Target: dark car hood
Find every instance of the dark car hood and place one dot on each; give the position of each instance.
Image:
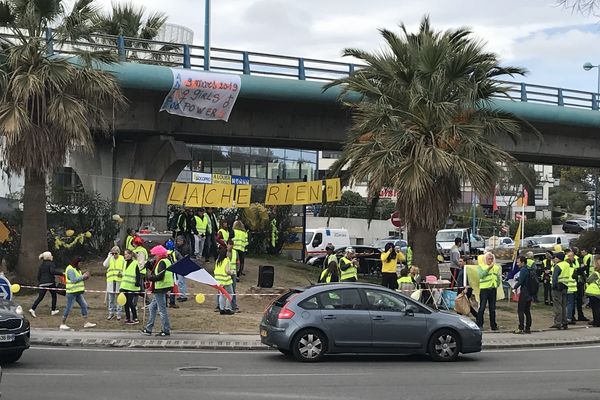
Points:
(8, 309)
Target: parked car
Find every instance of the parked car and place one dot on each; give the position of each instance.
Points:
(530, 242)
(401, 243)
(318, 238)
(308, 323)
(14, 332)
(574, 226)
(369, 259)
(549, 241)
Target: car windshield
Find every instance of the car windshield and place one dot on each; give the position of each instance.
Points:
(448, 236)
(546, 240)
(309, 237)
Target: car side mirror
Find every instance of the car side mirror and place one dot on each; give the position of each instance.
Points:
(410, 310)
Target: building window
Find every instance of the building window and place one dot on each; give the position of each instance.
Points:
(539, 193)
(331, 154)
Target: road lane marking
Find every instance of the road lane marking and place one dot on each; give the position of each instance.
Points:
(217, 375)
(539, 371)
(39, 374)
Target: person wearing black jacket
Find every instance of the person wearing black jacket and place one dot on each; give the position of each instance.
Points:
(210, 244)
(46, 282)
(525, 297)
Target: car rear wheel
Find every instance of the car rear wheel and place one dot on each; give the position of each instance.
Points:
(444, 345)
(10, 357)
(309, 345)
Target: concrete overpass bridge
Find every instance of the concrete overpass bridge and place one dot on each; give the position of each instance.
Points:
(281, 104)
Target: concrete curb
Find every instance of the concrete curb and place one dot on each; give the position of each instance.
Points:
(252, 345)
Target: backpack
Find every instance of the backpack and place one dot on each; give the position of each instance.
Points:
(533, 283)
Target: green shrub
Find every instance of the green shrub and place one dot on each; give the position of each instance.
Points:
(588, 240)
(533, 227)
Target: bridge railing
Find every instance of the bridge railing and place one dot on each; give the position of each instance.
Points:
(287, 67)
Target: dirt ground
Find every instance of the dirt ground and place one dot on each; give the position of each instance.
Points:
(191, 316)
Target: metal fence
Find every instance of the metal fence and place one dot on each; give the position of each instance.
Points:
(274, 65)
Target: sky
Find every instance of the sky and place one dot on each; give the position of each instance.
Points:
(551, 42)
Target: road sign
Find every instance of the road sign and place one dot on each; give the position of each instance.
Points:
(395, 218)
(5, 292)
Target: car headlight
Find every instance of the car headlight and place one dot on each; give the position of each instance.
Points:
(19, 310)
(468, 323)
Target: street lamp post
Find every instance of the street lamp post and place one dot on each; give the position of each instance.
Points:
(206, 35)
(588, 66)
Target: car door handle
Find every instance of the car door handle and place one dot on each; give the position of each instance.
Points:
(329, 317)
(378, 318)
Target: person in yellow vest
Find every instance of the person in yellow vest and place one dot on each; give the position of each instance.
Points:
(202, 228)
(489, 279)
(329, 255)
(75, 288)
(389, 265)
(330, 274)
(405, 282)
(240, 244)
(131, 286)
(592, 290)
(141, 256)
(223, 234)
(224, 275)
(162, 280)
(349, 266)
(571, 286)
(547, 270)
(131, 234)
(561, 277)
(580, 276)
(114, 264)
(234, 264)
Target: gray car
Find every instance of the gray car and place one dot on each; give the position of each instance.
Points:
(309, 322)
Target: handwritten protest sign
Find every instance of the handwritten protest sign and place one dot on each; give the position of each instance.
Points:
(202, 95)
(137, 191)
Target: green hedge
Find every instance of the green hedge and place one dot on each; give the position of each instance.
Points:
(533, 227)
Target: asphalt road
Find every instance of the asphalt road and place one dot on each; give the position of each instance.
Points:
(63, 373)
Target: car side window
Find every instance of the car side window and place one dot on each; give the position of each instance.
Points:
(318, 239)
(557, 240)
(342, 299)
(382, 301)
(310, 304)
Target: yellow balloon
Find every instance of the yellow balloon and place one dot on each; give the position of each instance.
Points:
(69, 232)
(88, 234)
(200, 298)
(15, 288)
(121, 299)
(116, 217)
(440, 258)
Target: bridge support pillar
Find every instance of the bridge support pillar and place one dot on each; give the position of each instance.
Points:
(156, 158)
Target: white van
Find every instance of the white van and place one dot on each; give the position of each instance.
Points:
(445, 238)
(317, 239)
(549, 241)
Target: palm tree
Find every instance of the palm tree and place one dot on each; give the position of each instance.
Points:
(132, 22)
(424, 124)
(49, 105)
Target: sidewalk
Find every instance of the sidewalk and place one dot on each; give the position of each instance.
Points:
(225, 341)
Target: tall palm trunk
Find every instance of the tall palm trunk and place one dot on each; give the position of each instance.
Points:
(34, 227)
(424, 250)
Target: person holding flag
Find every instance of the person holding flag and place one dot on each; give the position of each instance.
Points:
(162, 280)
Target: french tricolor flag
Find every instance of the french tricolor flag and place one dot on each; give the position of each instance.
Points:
(193, 271)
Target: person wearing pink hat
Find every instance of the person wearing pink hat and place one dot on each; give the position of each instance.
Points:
(162, 284)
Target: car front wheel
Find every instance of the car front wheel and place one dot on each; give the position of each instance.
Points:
(309, 345)
(444, 345)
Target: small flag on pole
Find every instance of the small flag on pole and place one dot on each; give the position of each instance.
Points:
(193, 271)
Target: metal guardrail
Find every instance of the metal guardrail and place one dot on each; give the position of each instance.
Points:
(286, 67)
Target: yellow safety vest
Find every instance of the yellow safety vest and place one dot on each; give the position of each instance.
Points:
(74, 287)
(201, 224)
(129, 243)
(233, 260)
(114, 267)
(349, 273)
(240, 240)
(221, 274)
(330, 258)
(592, 289)
(572, 283)
(326, 276)
(565, 274)
(491, 278)
(167, 281)
(224, 234)
(405, 279)
(129, 281)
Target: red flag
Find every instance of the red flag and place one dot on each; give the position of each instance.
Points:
(525, 197)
